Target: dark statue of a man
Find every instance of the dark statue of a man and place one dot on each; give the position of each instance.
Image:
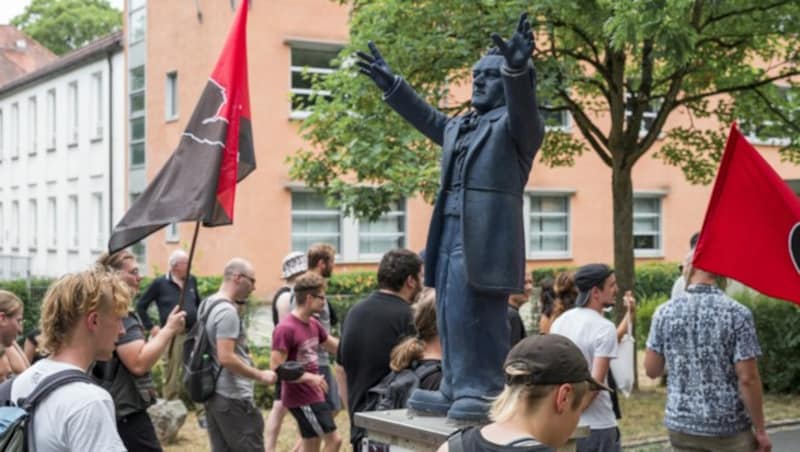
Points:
(475, 253)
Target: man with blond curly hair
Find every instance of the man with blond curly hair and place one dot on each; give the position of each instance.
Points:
(81, 320)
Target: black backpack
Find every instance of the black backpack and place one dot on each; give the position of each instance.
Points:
(201, 368)
(395, 388)
(16, 417)
(280, 292)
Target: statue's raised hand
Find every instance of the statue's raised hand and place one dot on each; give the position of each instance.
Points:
(519, 48)
(375, 67)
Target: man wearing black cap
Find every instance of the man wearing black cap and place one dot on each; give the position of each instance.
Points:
(547, 386)
(596, 337)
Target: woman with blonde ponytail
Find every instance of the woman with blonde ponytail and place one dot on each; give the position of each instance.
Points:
(424, 348)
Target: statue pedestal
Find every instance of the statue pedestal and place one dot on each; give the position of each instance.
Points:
(406, 432)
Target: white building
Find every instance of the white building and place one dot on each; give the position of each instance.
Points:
(62, 161)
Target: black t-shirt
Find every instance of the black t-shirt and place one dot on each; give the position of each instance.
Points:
(371, 329)
(166, 293)
(473, 441)
(516, 327)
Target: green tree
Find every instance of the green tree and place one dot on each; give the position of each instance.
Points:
(65, 25)
(606, 62)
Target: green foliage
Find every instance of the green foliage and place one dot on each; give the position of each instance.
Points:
(65, 25)
(352, 283)
(264, 394)
(645, 308)
(31, 299)
(655, 280)
(652, 280)
(778, 326)
(673, 54)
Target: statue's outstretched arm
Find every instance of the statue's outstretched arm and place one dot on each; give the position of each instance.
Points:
(401, 97)
(519, 80)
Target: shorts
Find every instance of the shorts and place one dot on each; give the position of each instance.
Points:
(315, 420)
(332, 396)
(278, 384)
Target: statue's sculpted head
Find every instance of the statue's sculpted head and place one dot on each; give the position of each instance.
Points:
(487, 82)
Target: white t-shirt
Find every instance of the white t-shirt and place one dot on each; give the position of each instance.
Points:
(596, 336)
(80, 418)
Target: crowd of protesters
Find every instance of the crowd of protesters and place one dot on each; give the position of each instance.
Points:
(555, 380)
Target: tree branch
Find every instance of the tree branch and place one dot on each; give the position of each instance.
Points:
(786, 120)
(588, 129)
(743, 11)
(581, 33)
(732, 89)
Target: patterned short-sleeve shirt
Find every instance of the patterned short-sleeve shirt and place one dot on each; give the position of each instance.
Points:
(702, 334)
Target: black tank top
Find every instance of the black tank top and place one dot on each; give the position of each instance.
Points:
(472, 441)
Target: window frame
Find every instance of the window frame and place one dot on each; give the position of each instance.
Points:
(649, 252)
(171, 96)
(567, 194)
(349, 233)
(319, 46)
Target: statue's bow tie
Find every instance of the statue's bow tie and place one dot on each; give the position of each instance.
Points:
(469, 122)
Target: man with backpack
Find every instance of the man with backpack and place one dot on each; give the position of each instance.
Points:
(295, 344)
(81, 319)
(374, 326)
(234, 422)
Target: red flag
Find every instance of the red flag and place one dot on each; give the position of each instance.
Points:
(215, 152)
(751, 232)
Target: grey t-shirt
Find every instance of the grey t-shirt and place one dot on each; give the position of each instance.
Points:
(224, 322)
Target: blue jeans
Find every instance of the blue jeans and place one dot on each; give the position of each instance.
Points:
(473, 328)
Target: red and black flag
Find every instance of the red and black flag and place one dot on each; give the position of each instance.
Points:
(751, 232)
(198, 182)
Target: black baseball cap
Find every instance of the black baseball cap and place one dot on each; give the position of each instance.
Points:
(588, 276)
(549, 359)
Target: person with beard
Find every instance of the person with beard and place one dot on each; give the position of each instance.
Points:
(374, 326)
(596, 337)
(320, 259)
(476, 245)
(11, 319)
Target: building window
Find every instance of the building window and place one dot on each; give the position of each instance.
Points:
(137, 121)
(313, 221)
(771, 133)
(73, 113)
(14, 131)
(308, 64)
(355, 240)
(647, 225)
(52, 225)
(73, 218)
(139, 249)
(137, 25)
(388, 232)
(173, 234)
(51, 119)
(553, 120)
(648, 117)
(171, 96)
(32, 126)
(548, 233)
(99, 221)
(15, 224)
(33, 225)
(97, 105)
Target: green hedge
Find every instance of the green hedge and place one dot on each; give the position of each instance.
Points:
(778, 326)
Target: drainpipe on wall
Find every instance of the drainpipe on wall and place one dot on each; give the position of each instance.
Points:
(109, 56)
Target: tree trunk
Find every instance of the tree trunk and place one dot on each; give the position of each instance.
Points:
(622, 194)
